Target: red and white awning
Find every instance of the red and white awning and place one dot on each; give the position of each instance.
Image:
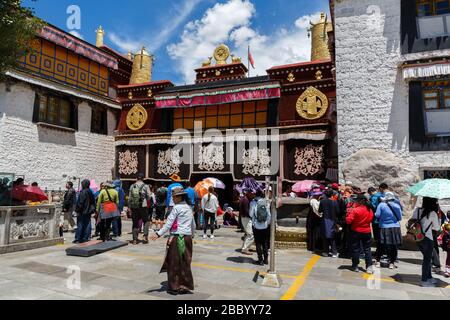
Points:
(218, 96)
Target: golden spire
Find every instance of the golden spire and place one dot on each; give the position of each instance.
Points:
(319, 34)
(142, 67)
(100, 34)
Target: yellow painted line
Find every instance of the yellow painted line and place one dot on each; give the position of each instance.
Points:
(366, 276)
(301, 278)
(199, 265)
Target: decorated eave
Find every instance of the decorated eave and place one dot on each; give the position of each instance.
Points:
(419, 69)
(72, 43)
(217, 93)
(143, 93)
(231, 71)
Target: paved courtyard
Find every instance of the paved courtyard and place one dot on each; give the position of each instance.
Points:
(220, 273)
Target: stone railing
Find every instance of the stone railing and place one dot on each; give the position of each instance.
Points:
(29, 227)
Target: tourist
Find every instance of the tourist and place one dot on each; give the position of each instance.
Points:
(260, 216)
(445, 245)
(96, 216)
(117, 223)
(210, 205)
(34, 184)
(359, 218)
(428, 218)
(313, 223)
(69, 206)
(137, 201)
(375, 199)
(229, 217)
(85, 208)
(160, 210)
(107, 207)
(389, 215)
(330, 211)
(178, 260)
(244, 212)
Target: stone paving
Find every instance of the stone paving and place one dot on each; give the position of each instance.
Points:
(220, 273)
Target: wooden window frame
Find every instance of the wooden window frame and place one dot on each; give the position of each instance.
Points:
(103, 127)
(433, 7)
(57, 113)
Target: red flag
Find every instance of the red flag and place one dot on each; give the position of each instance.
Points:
(250, 58)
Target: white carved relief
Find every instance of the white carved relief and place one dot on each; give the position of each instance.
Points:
(256, 162)
(309, 160)
(128, 162)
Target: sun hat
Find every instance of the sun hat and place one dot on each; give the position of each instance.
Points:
(109, 184)
(335, 186)
(389, 196)
(175, 178)
(178, 191)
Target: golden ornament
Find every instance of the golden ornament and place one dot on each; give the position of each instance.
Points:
(312, 104)
(221, 54)
(218, 73)
(291, 77)
(150, 93)
(130, 95)
(137, 117)
(319, 75)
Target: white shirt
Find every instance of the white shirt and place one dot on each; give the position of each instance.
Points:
(430, 223)
(181, 212)
(315, 205)
(253, 215)
(212, 205)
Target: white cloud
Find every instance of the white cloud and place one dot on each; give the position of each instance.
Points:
(76, 34)
(230, 23)
(154, 41)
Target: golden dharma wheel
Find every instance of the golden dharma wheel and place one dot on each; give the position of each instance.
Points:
(312, 104)
(137, 117)
(221, 54)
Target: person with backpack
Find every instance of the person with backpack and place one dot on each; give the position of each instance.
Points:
(260, 216)
(85, 208)
(117, 223)
(108, 209)
(389, 214)
(70, 199)
(210, 205)
(422, 224)
(137, 202)
(160, 210)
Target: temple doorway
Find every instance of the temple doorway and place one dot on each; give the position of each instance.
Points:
(225, 196)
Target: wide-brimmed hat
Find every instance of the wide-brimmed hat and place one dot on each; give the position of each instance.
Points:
(178, 191)
(388, 196)
(109, 184)
(175, 178)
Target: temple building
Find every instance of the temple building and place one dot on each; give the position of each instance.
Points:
(393, 93)
(58, 111)
(229, 125)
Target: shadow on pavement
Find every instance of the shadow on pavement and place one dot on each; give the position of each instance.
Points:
(415, 279)
(411, 261)
(240, 260)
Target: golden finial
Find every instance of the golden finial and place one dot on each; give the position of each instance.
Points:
(100, 35)
(130, 95)
(207, 63)
(291, 77)
(319, 75)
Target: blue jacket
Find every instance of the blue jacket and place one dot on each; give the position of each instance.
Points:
(386, 217)
(121, 193)
(192, 195)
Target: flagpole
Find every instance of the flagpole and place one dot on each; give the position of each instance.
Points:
(248, 60)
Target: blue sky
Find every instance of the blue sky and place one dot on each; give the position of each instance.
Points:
(183, 33)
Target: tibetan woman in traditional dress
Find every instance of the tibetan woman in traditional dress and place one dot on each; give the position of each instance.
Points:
(178, 260)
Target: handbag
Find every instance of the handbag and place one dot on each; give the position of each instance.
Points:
(109, 209)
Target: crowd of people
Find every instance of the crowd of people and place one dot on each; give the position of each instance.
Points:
(344, 221)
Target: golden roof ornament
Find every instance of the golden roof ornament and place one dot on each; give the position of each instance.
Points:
(312, 104)
(319, 75)
(207, 63)
(221, 54)
(137, 117)
(130, 95)
(149, 93)
(235, 59)
(319, 38)
(100, 34)
(291, 77)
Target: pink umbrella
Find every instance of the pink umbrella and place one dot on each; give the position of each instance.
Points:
(93, 186)
(304, 186)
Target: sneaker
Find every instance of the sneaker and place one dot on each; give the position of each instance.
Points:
(211, 236)
(335, 256)
(266, 261)
(437, 270)
(205, 236)
(433, 280)
(378, 265)
(259, 263)
(370, 270)
(392, 266)
(355, 269)
(427, 284)
(75, 241)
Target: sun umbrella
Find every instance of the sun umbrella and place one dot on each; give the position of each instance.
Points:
(249, 184)
(202, 188)
(432, 188)
(304, 186)
(95, 188)
(216, 183)
(28, 193)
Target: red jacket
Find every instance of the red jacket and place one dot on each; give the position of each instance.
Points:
(360, 218)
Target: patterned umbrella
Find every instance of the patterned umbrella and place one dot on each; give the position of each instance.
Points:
(432, 188)
(202, 188)
(304, 186)
(216, 183)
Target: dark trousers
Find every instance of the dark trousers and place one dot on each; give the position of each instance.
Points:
(117, 226)
(327, 243)
(262, 248)
(83, 230)
(136, 215)
(359, 240)
(209, 221)
(380, 248)
(436, 261)
(392, 252)
(426, 246)
(105, 229)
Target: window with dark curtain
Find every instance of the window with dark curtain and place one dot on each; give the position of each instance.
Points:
(99, 122)
(55, 110)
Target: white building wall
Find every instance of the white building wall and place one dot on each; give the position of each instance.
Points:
(46, 155)
(372, 97)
